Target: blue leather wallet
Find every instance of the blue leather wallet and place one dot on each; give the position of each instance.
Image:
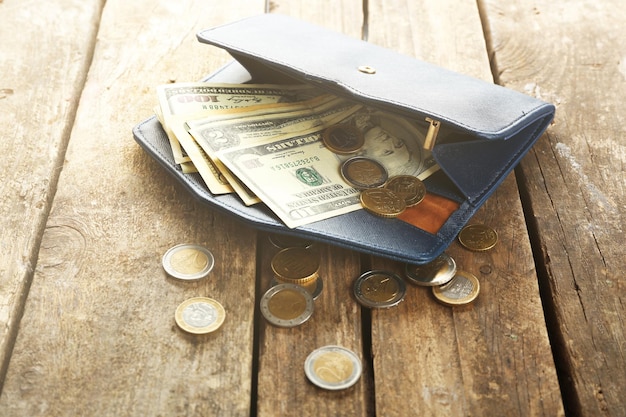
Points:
(489, 129)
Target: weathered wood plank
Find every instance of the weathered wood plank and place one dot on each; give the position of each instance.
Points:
(283, 388)
(45, 50)
(492, 357)
(572, 54)
(98, 335)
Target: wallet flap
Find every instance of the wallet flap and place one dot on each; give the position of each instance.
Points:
(374, 75)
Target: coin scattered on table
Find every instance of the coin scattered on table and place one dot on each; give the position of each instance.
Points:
(333, 367)
(382, 202)
(379, 289)
(478, 237)
(408, 187)
(287, 305)
(284, 241)
(462, 289)
(437, 272)
(343, 139)
(363, 173)
(188, 262)
(200, 315)
(296, 265)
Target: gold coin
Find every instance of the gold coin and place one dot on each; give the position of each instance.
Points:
(296, 265)
(462, 289)
(200, 315)
(410, 188)
(343, 139)
(478, 237)
(362, 173)
(382, 202)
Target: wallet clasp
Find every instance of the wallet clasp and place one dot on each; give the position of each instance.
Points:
(431, 135)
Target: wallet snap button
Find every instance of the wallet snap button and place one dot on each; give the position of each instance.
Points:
(366, 69)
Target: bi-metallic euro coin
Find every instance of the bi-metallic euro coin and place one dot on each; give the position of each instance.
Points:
(478, 237)
(343, 139)
(379, 289)
(382, 202)
(437, 272)
(462, 289)
(200, 315)
(287, 305)
(362, 172)
(409, 187)
(188, 262)
(333, 367)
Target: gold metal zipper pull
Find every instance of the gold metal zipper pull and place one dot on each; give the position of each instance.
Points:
(431, 135)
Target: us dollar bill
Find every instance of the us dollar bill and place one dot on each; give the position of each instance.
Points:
(299, 179)
(257, 124)
(180, 102)
(296, 177)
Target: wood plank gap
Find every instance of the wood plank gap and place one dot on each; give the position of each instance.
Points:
(256, 336)
(366, 17)
(491, 53)
(564, 368)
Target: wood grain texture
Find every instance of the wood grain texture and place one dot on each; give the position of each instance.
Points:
(283, 388)
(573, 56)
(492, 357)
(45, 50)
(98, 335)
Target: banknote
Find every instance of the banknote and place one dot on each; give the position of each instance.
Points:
(299, 178)
(180, 102)
(214, 135)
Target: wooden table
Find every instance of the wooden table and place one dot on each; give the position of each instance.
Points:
(87, 313)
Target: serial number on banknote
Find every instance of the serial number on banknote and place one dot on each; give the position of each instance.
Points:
(296, 163)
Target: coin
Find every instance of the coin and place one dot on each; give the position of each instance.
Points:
(437, 272)
(362, 173)
(286, 305)
(333, 367)
(478, 237)
(296, 265)
(379, 289)
(410, 188)
(188, 262)
(200, 315)
(382, 202)
(343, 139)
(283, 241)
(462, 289)
(314, 287)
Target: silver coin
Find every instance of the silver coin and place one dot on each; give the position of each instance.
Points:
(437, 272)
(287, 305)
(188, 262)
(333, 367)
(379, 289)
